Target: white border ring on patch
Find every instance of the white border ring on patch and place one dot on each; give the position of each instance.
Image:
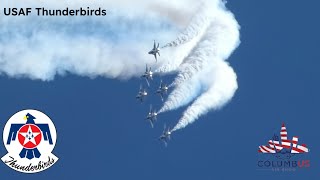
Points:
(29, 137)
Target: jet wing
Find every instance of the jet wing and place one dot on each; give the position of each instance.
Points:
(151, 123)
(13, 132)
(164, 141)
(161, 95)
(155, 56)
(148, 82)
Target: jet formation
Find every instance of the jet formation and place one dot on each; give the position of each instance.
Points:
(161, 91)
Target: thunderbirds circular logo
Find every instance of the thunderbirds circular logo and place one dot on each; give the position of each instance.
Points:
(29, 137)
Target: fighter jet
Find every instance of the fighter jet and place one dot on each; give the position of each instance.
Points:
(155, 51)
(148, 74)
(165, 137)
(163, 89)
(152, 116)
(141, 94)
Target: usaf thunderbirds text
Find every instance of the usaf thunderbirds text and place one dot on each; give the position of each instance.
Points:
(42, 11)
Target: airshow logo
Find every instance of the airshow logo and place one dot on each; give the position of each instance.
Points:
(286, 153)
(29, 137)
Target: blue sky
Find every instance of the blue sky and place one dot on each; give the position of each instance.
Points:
(102, 133)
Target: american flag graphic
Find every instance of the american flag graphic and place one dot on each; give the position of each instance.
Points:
(275, 146)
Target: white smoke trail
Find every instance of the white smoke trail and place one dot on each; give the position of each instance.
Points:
(190, 73)
(190, 37)
(218, 43)
(46, 53)
(114, 46)
(197, 27)
(224, 85)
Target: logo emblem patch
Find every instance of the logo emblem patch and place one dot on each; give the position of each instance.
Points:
(285, 146)
(287, 154)
(29, 137)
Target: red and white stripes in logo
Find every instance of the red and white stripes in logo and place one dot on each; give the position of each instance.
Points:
(275, 146)
(284, 137)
